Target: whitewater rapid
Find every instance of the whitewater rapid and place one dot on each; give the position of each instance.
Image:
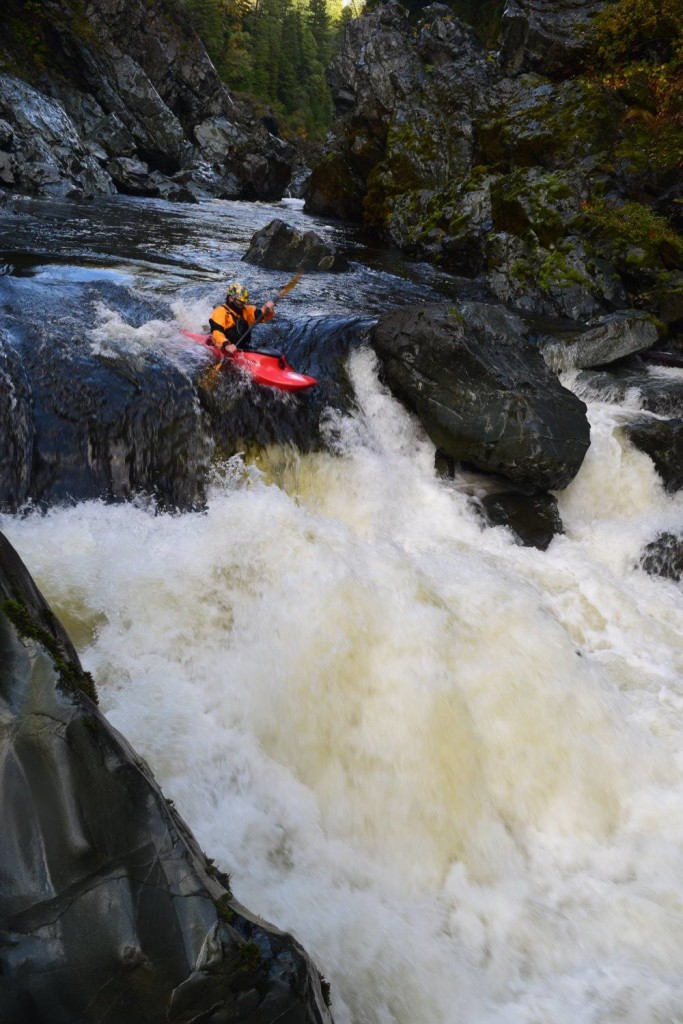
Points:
(450, 765)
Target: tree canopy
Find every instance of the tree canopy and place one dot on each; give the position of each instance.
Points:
(274, 50)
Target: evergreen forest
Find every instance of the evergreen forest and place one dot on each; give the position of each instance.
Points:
(275, 51)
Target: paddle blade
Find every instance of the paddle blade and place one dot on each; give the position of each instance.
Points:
(292, 283)
(209, 379)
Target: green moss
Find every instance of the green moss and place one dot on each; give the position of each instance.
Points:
(248, 957)
(71, 678)
(548, 125)
(556, 272)
(633, 235)
(224, 909)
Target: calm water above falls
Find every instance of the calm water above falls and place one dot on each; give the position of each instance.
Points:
(450, 765)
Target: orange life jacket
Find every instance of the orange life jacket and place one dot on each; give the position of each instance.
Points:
(231, 326)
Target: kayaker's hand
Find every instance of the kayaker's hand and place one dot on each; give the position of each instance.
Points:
(270, 306)
(230, 348)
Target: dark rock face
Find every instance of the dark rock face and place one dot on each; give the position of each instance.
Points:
(662, 440)
(405, 107)
(533, 518)
(128, 81)
(545, 35)
(484, 394)
(108, 908)
(83, 429)
(44, 151)
(512, 167)
(279, 246)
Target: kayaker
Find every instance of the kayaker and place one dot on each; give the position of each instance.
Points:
(231, 323)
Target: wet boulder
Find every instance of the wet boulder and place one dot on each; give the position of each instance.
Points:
(483, 392)
(99, 427)
(534, 519)
(133, 177)
(108, 907)
(606, 340)
(279, 246)
(663, 556)
(658, 393)
(662, 440)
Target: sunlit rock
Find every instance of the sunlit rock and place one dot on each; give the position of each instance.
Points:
(606, 340)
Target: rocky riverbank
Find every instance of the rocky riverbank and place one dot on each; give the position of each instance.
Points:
(121, 96)
(517, 166)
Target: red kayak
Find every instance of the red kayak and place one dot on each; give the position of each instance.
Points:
(269, 368)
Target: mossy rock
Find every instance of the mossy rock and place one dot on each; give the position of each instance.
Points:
(642, 244)
(334, 189)
(548, 125)
(534, 200)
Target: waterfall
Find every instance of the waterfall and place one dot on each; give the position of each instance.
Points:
(450, 765)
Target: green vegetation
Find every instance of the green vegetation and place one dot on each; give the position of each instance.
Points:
(224, 909)
(275, 51)
(71, 677)
(637, 52)
(634, 236)
(248, 957)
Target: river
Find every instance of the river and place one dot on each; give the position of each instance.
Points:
(450, 765)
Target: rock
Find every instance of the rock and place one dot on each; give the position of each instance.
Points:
(106, 427)
(607, 339)
(531, 199)
(662, 440)
(664, 557)
(47, 152)
(279, 246)
(216, 137)
(534, 519)
(546, 35)
(405, 110)
(133, 177)
(564, 281)
(298, 186)
(108, 906)
(483, 393)
(656, 392)
(135, 81)
(16, 427)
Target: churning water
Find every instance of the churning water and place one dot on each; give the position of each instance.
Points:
(450, 765)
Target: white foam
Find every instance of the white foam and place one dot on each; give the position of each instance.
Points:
(448, 763)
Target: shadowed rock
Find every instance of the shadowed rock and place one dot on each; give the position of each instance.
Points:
(108, 908)
(279, 246)
(546, 35)
(534, 519)
(662, 440)
(484, 394)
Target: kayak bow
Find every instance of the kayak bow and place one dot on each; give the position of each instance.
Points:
(269, 368)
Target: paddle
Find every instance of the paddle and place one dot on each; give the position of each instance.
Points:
(211, 376)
